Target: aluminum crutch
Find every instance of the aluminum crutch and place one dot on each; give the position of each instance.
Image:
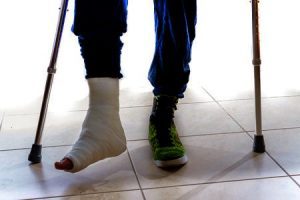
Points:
(35, 155)
(259, 144)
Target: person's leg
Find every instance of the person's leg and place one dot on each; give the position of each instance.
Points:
(99, 26)
(175, 22)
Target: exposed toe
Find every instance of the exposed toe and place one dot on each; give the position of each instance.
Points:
(64, 164)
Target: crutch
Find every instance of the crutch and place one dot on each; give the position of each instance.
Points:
(259, 144)
(35, 155)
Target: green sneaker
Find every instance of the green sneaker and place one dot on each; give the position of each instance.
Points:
(167, 148)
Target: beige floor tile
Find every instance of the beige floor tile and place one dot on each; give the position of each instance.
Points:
(135, 122)
(132, 96)
(228, 89)
(243, 112)
(18, 131)
(63, 128)
(60, 129)
(263, 189)
(190, 119)
(32, 107)
(195, 93)
(55, 105)
(228, 86)
(203, 118)
(128, 195)
(211, 158)
(284, 146)
(277, 113)
(297, 178)
(19, 180)
(69, 104)
(135, 96)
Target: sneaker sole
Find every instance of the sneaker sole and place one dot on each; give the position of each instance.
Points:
(171, 163)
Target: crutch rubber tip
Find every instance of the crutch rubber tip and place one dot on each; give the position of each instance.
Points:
(259, 144)
(35, 155)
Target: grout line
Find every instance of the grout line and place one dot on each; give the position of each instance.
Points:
(149, 105)
(179, 103)
(44, 147)
(296, 175)
(245, 99)
(20, 149)
(266, 152)
(293, 179)
(248, 132)
(212, 134)
(282, 168)
(37, 113)
(145, 139)
(182, 103)
(274, 129)
(228, 113)
(85, 194)
(133, 140)
(186, 136)
(137, 140)
(217, 182)
(135, 173)
(238, 99)
(277, 129)
(121, 107)
(287, 96)
(2, 119)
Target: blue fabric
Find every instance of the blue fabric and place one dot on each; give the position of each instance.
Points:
(100, 24)
(175, 22)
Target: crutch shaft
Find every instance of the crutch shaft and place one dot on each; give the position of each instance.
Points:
(258, 145)
(35, 154)
(256, 62)
(255, 34)
(59, 31)
(257, 91)
(44, 108)
(51, 71)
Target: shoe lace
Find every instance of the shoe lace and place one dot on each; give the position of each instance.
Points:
(163, 119)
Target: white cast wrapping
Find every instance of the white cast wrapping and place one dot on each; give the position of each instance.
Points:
(102, 135)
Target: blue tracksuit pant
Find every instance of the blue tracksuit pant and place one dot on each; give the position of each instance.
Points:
(100, 24)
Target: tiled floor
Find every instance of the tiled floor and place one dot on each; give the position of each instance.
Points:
(215, 119)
